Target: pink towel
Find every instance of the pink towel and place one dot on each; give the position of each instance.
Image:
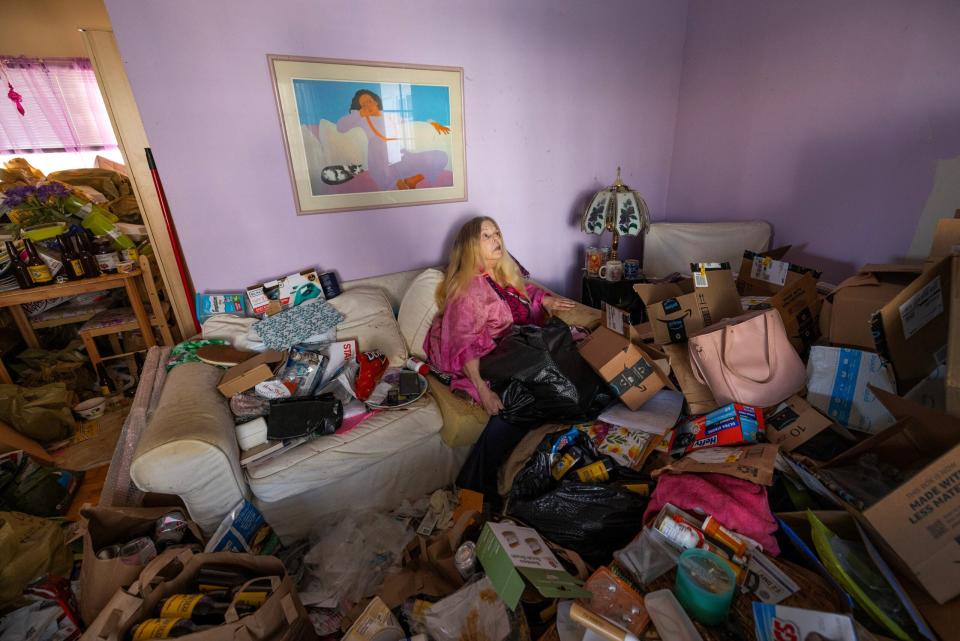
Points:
(737, 504)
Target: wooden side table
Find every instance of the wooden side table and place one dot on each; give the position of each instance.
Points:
(15, 298)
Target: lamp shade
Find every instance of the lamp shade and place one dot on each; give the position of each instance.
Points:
(618, 209)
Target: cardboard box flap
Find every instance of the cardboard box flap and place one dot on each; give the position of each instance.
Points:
(903, 408)
(946, 238)
(653, 293)
(891, 268)
(602, 345)
(919, 436)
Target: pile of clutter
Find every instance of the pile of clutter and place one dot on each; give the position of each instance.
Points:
(779, 464)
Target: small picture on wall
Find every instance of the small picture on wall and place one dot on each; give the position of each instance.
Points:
(363, 135)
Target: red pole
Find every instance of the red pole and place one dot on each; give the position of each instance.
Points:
(174, 239)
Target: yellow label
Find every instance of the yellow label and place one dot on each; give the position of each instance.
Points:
(253, 599)
(180, 605)
(129, 254)
(563, 465)
(593, 473)
(77, 267)
(40, 273)
(643, 489)
(154, 629)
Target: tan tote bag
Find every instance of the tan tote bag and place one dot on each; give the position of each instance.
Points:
(748, 360)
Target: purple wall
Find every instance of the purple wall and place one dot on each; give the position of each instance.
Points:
(825, 118)
(557, 94)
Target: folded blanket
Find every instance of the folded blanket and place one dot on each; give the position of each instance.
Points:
(294, 325)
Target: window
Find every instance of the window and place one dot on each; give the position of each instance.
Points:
(64, 111)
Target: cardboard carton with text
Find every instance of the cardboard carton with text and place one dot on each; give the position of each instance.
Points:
(919, 517)
(677, 310)
(764, 275)
(630, 369)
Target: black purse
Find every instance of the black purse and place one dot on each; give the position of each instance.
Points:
(294, 417)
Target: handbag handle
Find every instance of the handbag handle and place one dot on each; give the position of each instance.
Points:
(771, 356)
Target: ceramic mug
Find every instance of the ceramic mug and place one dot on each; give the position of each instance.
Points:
(612, 271)
(631, 269)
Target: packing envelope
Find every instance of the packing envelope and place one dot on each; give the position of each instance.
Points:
(837, 380)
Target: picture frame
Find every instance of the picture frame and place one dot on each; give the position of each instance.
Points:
(366, 135)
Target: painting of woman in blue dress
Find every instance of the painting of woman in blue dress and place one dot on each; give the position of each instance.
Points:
(370, 137)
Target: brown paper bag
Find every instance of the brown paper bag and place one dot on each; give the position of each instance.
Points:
(30, 547)
(428, 566)
(103, 526)
(699, 397)
(281, 617)
(749, 462)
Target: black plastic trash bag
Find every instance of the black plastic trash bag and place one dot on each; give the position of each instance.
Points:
(592, 520)
(540, 376)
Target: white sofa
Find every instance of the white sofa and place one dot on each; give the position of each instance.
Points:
(189, 446)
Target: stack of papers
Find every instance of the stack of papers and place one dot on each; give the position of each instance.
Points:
(657, 415)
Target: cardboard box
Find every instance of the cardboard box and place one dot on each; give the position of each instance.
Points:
(629, 369)
(952, 383)
(698, 396)
(677, 310)
(920, 519)
(618, 320)
(911, 330)
(845, 317)
(946, 241)
(763, 275)
(510, 554)
(799, 305)
(242, 377)
(794, 422)
(837, 380)
(732, 424)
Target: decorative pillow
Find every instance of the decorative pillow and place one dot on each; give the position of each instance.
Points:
(417, 310)
(368, 317)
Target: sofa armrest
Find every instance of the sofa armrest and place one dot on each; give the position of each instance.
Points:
(581, 316)
(189, 447)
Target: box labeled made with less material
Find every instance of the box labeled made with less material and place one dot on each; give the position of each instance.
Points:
(919, 519)
(629, 369)
(732, 424)
(511, 554)
(677, 310)
(242, 377)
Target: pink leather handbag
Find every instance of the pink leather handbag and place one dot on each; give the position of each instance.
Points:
(747, 359)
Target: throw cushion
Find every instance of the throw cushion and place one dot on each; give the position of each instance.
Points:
(417, 310)
(368, 317)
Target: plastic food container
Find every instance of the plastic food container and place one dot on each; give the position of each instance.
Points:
(705, 585)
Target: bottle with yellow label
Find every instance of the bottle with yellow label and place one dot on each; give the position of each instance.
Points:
(39, 271)
(199, 608)
(163, 629)
(597, 472)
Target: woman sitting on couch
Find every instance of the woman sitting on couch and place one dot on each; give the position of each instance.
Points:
(482, 295)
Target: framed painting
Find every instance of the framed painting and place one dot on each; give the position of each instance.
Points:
(364, 135)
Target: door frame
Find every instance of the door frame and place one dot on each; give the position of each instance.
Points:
(132, 138)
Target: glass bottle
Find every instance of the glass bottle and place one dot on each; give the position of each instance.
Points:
(82, 243)
(72, 263)
(39, 271)
(18, 267)
(199, 608)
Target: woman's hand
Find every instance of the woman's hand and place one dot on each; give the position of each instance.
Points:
(554, 304)
(489, 400)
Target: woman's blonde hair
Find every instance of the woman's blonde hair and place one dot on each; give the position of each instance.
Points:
(465, 261)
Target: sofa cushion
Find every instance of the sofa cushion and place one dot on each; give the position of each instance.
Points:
(368, 317)
(463, 421)
(417, 310)
(337, 456)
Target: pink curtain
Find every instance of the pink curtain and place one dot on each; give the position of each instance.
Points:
(64, 108)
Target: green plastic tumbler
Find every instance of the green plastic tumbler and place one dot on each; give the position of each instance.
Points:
(705, 585)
